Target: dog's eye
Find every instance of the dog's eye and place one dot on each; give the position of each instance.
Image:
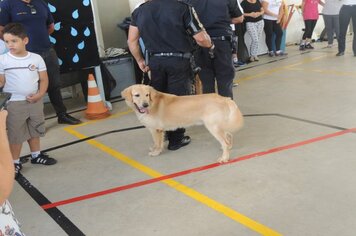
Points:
(147, 95)
(137, 95)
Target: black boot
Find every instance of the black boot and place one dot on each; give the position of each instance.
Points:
(67, 119)
(177, 139)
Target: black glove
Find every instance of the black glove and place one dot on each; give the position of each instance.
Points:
(211, 51)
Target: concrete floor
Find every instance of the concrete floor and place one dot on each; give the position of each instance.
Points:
(292, 170)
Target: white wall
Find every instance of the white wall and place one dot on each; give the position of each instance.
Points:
(112, 12)
(294, 30)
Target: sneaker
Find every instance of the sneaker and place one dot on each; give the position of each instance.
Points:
(43, 159)
(329, 46)
(239, 63)
(18, 167)
(309, 46)
(256, 58)
(340, 54)
(252, 59)
(281, 53)
(271, 54)
(183, 142)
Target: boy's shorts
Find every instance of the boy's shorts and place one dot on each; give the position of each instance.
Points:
(24, 121)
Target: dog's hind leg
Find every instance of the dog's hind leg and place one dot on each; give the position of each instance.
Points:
(157, 136)
(223, 139)
(229, 138)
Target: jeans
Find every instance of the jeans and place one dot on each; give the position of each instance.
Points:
(54, 86)
(270, 27)
(347, 12)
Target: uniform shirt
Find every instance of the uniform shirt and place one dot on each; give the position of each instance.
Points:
(162, 25)
(273, 6)
(35, 23)
(332, 7)
(251, 7)
(311, 11)
(216, 15)
(21, 74)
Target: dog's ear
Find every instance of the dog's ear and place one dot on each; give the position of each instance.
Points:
(126, 94)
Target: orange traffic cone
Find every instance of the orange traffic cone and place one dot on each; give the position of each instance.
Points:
(96, 108)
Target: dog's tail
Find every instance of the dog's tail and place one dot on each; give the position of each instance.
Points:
(235, 120)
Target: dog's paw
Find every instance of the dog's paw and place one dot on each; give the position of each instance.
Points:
(222, 160)
(154, 152)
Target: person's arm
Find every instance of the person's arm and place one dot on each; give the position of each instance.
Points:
(134, 47)
(1, 33)
(2, 80)
(302, 6)
(203, 39)
(236, 11)
(237, 20)
(50, 28)
(7, 172)
(43, 85)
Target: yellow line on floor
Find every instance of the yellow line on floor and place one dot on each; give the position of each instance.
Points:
(327, 72)
(271, 71)
(234, 215)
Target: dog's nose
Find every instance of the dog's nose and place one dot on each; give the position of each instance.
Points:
(145, 105)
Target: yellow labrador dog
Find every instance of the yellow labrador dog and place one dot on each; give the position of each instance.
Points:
(161, 111)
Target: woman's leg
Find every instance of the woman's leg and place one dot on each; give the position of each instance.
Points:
(251, 28)
(328, 20)
(279, 34)
(344, 19)
(268, 27)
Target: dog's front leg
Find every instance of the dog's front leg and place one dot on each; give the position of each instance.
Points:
(157, 136)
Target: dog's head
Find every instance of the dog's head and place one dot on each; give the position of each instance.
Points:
(139, 97)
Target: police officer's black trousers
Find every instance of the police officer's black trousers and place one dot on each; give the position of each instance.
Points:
(219, 69)
(54, 86)
(171, 75)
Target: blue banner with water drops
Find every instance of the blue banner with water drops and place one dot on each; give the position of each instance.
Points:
(74, 34)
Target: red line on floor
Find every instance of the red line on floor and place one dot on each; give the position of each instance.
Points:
(197, 169)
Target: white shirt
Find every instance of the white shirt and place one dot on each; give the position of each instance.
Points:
(273, 6)
(349, 2)
(332, 7)
(21, 74)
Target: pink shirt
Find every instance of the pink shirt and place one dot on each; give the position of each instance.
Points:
(311, 11)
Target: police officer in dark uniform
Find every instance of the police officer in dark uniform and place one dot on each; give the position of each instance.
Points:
(167, 28)
(216, 16)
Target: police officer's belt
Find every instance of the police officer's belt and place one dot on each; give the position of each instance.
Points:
(186, 55)
(222, 38)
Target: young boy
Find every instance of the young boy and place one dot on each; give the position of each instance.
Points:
(24, 75)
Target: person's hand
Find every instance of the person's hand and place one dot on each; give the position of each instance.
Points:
(143, 66)
(211, 51)
(33, 98)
